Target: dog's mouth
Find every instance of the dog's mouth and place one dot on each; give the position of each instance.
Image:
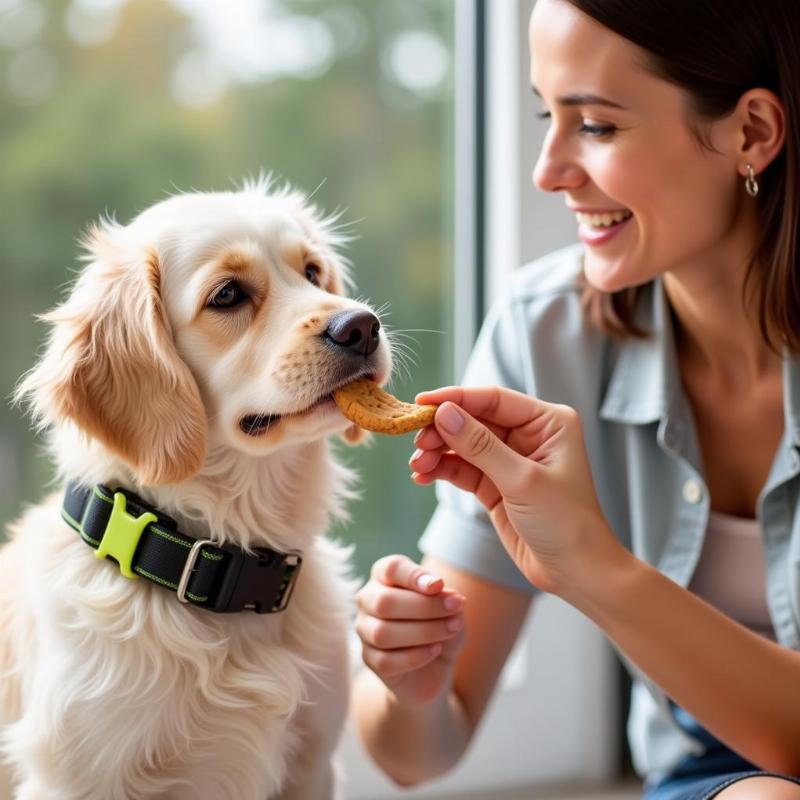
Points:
(260, 423)
(256, 424)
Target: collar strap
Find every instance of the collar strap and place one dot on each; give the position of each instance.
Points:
(145, 542)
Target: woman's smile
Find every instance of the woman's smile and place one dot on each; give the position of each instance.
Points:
(598, 227)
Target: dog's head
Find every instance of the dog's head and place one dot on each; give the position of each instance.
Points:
(211, 319)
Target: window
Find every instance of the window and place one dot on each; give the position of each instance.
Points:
(108, 105)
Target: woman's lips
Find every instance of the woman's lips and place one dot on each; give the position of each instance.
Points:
(594, 236)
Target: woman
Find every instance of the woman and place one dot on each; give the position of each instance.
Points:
(656, 489)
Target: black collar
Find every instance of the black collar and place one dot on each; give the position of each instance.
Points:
(145, 542)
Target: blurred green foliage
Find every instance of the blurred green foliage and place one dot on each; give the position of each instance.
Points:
(110, 137)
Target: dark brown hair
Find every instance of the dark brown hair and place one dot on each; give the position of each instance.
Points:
(716, 50)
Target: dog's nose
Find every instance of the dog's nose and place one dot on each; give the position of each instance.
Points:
(357, 331)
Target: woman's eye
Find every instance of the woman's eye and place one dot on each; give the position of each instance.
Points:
(589, 128)
(230, 294)
(312, 274)
(597, 130)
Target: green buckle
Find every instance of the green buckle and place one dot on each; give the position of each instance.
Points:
(122, 534)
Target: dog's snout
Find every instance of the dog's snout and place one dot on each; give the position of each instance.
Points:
(357, 331)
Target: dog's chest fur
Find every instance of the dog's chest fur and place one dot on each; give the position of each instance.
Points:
(153, 699)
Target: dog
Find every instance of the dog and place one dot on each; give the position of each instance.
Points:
(186, 390)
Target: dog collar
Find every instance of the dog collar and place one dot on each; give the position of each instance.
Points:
(146, 542)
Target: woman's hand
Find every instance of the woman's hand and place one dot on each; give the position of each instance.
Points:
(525, 460)
(411, 629)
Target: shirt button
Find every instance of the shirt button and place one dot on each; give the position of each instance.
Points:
(692, 491)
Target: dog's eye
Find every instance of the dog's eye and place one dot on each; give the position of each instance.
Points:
(312, 274)
(230, 294)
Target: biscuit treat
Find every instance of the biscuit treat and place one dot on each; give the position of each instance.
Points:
(368, 406)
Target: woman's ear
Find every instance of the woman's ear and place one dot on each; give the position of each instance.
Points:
(111, 368)
(761, 121)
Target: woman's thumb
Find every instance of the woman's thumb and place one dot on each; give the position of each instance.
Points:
(475, 443)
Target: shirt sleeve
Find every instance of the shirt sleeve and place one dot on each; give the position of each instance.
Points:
(460, 531)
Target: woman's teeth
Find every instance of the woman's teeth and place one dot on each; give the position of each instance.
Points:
(603, 220)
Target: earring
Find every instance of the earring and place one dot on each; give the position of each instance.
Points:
(750, 182)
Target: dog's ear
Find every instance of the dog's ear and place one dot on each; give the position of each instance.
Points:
(112, 369)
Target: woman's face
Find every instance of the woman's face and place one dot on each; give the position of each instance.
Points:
(647, 196)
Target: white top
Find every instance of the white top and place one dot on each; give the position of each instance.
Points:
(731, 573)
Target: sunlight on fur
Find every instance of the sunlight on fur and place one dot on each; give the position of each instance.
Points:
(192, 363)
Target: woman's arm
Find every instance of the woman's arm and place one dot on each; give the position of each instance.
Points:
(528, 465)
(414, 737)
(742, 687)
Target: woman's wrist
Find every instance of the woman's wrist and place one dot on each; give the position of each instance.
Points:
(412, 742)
(597, 574)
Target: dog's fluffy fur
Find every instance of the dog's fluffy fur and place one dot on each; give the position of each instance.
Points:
(110, 689)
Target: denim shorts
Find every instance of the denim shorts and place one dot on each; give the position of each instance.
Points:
(704, 776)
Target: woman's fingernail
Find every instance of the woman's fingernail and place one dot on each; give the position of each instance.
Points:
(415, 456)
(449, 417)
(455, 624)
(424, 581)
(453, 602)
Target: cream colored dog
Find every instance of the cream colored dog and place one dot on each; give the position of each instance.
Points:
(191, 365)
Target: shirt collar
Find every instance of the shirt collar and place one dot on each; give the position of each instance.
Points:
(645, 384)
(645, 381)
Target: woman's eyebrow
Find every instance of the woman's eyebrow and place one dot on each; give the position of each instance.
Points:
(583, 99)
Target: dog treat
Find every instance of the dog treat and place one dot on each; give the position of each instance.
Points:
(366, 404)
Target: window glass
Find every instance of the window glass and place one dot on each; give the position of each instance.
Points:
(107, 106)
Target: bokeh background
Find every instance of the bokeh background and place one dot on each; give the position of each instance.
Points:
(107, 106)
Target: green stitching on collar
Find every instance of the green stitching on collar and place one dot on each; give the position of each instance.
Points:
(154, 529)
(73, 524)
(169, 584)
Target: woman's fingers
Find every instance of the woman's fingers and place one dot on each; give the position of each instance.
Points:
(463, 475)
(509, 471)
(405, 617)
(396, 634)
(400, 604)
(425, 460)
(493, 404)
(389, 664)
(429, 439)
(402, 572)
(406, 621)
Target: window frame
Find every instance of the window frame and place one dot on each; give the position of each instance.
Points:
(573, 719)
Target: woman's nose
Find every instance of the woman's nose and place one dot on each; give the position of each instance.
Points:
(555, 169)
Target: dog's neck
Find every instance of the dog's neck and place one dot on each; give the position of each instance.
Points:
(281, 500)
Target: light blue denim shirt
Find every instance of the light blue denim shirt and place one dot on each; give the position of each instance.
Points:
(644, 455)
